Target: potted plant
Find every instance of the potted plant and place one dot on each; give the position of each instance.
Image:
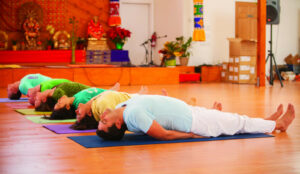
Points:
(118, 36)
(14, 45)
(170, 51)
(184, 49)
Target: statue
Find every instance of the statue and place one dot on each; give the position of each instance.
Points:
(95, 29)
(31, 28)
(61, 40)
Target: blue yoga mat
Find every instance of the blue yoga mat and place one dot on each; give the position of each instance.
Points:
(4, 100)
(92, 141)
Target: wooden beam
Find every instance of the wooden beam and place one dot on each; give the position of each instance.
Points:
(261, 41)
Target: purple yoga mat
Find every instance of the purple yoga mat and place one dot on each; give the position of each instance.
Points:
(65, 129)
(4, 100)
(18, 105)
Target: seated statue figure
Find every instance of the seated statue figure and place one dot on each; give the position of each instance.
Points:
(31, 28)
(95, 29)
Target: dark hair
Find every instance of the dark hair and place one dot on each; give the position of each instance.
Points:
(15, 96)
(87, 122)
(113, 133)
(48, 105)
(63, 113)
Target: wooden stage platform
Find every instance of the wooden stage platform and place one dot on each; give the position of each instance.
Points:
(94, 75)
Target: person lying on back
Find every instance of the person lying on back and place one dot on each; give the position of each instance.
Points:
(16, 89)
(46, 100)
(166, 118)
(66, 106)
(45, 85)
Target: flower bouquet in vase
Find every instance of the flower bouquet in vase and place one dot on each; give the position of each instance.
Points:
(170, 51)
(118, 36)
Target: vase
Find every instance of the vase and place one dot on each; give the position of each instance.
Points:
(14, 47)
(73, 60)
(119, 45)
(184, 61)
(170, 62)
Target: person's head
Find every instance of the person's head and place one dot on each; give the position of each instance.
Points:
(83, 110)
(111, 125)
(64, 102)
(32, 92)
(44, 101)
(46, 105)
(87, 122)
(13, 91)
(66, 112)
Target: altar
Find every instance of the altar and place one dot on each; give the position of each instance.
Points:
(63, 56)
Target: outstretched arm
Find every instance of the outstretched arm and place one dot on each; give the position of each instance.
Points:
(158, 132)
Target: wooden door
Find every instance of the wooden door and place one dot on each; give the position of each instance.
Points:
(246, 20)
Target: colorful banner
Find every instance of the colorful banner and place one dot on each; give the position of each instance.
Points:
(199, 34)
(114, 17)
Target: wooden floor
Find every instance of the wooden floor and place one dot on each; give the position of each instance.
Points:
(26, 147)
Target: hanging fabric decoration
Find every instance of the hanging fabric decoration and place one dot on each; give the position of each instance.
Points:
(199, 34)
(114, 18)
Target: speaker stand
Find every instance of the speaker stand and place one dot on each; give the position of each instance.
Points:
(272, 59)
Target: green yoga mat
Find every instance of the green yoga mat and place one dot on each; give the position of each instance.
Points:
(31, 112)
(40, 119)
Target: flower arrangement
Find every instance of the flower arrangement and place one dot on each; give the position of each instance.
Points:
(118, 35)
(170, 50)
(178, 48)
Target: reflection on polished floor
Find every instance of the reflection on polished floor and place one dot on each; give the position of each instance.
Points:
(27, 147)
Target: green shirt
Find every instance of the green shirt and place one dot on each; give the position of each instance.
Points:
(86, 95)
(69, 89)
(49, 84)
(31, 81)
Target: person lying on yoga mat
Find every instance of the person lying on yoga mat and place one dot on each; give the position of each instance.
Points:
(66, 106)
(167, 118)
(46, 100)
(45, 85)
(88, 113)
(16, 89)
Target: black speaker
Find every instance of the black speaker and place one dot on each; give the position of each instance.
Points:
(273, 11)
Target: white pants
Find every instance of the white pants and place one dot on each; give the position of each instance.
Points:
(212, 123)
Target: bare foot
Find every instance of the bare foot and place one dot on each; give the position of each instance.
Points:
(217, 106)
(164, 92)
(283, 123)
(277, 114)
(143, 90)
(193, 101)
(116, 87)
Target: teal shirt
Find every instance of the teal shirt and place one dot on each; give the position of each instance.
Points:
(69, 89)
(86, 95)
(49, 84)
(31, 81)
(170, 113)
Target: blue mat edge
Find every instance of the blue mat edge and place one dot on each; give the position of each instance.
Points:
(78, 140)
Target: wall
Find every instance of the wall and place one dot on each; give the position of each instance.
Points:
(219, 24)
(168, 20)
(285, 35)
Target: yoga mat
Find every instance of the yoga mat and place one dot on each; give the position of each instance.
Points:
(65, 129)
(3, 100)
(92, 141)
(31, 112)
(40, 119)
(18, 105)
